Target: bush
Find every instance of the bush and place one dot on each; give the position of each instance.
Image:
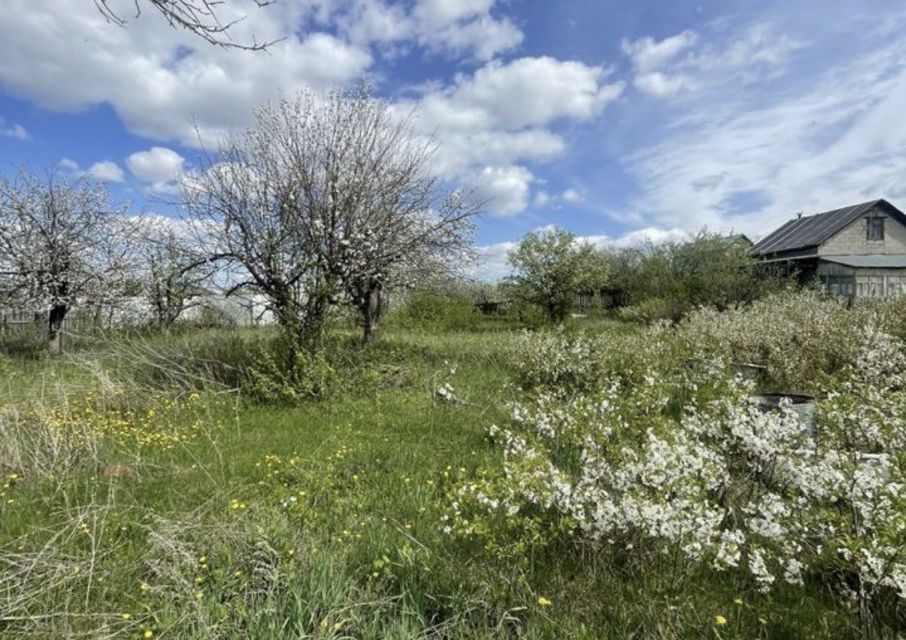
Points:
(646, 311)
(796, 335)
(436, 312)
(310, 377)
(654, 455)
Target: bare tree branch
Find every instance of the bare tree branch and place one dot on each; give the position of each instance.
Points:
(198, 17)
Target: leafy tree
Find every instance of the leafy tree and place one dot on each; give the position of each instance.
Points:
(550, 268)
(707, 270)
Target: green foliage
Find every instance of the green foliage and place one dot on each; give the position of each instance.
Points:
(309, 376)
(550, 269)
(667, 281)
(436, 311)
(324, 517)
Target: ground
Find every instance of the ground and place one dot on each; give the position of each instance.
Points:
(203, 514)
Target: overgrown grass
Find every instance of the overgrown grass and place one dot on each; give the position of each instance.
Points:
(181, 507)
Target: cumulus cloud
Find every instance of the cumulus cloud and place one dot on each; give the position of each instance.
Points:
(157, 164)
(443, 27)
(162, 82)
(105, 171)
(533, 91)
(505, 190)
(160, 167)
(102, 171)
(490, 122)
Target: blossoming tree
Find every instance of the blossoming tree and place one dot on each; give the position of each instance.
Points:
(328, 200)
(60, 244)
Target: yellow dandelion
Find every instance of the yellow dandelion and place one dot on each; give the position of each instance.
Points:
(148, 633)
(720, 621)
(126, 616)
(738, 601)
(544, 602)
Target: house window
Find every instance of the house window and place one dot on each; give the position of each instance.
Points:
(875, 228)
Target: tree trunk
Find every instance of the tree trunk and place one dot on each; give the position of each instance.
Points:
(372, 308)
(55, 328)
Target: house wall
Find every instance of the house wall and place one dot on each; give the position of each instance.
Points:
(851, 240)
(862, 284)
(880, 283)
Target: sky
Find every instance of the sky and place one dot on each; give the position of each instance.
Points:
(619, 120)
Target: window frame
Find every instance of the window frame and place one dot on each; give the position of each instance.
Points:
(874, 224)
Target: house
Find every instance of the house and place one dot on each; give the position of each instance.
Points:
(857, 251)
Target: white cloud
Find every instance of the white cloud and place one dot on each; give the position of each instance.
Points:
(504, 189)
(102, 171)
(541, 199)
(16, 131)
(163, 82)
(105, 171)
(689, 61)
(571, 195)
(747, 162)
(533, 92)
(157, 164)
(657, 84)
(444, 27)
(490, 122)
(648, 54)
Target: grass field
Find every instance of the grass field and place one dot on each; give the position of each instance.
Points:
(179, 513)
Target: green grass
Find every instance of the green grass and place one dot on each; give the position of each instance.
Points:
(360, 552)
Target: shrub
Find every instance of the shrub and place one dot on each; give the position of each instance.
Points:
(431, 311)
(665, 463)
(796, 335)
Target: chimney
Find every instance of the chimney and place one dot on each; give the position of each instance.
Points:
(799, 216)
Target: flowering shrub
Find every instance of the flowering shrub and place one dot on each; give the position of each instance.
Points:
(794, 335)
(650, 445)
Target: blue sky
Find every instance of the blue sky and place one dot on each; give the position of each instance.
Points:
(617, 120)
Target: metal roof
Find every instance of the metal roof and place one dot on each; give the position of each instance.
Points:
(811, 231)
(877, 261)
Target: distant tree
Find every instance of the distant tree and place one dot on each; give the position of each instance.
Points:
(60, 245)
(708, 269)
(550, 268)
(198, 17)
(173, 272)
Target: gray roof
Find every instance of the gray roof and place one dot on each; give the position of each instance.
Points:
(876, 261)
(811, 231)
